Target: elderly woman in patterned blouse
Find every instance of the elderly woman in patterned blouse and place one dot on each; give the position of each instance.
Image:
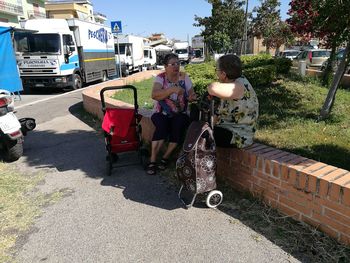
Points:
(238, 109)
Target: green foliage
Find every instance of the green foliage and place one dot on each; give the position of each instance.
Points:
(224, 26)
(256, 61)
(283, 65)
(260, 76)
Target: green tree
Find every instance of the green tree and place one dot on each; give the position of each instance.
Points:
(267, 23)
(225, 25)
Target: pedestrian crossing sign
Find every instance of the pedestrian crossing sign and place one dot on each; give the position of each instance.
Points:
(116, 27)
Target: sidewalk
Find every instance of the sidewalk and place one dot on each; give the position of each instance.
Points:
(127, 217)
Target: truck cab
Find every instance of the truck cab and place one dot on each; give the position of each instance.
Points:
(150, 58)
(182, 50)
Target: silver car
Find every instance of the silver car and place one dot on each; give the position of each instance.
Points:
(291, 54)
(313, 57)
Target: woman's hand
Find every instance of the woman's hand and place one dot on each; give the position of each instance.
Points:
(177, 90)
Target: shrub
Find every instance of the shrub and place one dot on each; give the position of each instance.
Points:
(283, 65)
(260, 76)
(256, 61)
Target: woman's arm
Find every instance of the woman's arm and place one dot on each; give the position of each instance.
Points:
(158, 93)
(234, 90)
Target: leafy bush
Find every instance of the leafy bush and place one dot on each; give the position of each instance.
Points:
(283, 65)
(256, 61)
(260, 76)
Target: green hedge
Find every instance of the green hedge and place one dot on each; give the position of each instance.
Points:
(283, 65)
(260, 76)
(260, 70)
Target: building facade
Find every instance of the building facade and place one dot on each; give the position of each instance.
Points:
(80, 9)
(13, 11)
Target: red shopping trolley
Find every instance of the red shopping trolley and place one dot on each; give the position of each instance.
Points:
(122, 130)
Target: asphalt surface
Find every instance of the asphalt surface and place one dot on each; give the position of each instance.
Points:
(128, 217)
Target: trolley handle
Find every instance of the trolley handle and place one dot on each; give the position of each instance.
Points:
(103, 102)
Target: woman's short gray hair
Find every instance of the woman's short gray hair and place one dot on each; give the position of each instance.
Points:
(231, 65)
(168, 57)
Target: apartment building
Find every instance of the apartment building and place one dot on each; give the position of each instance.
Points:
(80, 9)
(12, 11)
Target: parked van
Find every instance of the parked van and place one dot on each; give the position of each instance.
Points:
(312, 57)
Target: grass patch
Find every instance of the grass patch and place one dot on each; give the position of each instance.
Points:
(288, 120)
(144, 89)
(19, 206)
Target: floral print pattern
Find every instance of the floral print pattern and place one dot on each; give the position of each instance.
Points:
(240, 116)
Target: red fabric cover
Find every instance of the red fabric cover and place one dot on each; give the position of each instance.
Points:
(117, 121)
(121, 125)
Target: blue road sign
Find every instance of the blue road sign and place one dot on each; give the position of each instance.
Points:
(116, 27)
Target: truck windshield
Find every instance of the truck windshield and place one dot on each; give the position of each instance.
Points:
(181, 51)
(38, 43)
(121, 49)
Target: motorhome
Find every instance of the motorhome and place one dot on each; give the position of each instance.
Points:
(182, 50)
(62, 53)
(129, 50)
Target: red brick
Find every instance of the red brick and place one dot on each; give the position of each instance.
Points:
(252, 161)
(301, 163)
(313, 168)
(310, 221)
(303, 181)
(346, 195)
(260, 149)
(274, 182)
(254, 146)
(329, 231)
(324, 171)
(335, 187)
(260, 164)
(334, 206)
(345, 239)
(284, 172)
(332, 223)
(288, 211)
(286, 159)
(312, 183)
(295, 206)
(267, 166)
(279, 156)
(325, 180)
(270, 154)
(276, 169)
(292, 177)
(345, 220)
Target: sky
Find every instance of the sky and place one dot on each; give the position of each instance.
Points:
(174, 18)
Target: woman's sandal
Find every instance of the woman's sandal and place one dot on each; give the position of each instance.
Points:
(163, 164)
(151, 168)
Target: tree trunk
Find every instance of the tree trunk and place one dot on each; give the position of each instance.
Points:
(328, 104)
(328, 71)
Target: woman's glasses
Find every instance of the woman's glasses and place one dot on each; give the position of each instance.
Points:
(175, 64)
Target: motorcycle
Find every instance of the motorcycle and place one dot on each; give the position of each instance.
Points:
(12, 130)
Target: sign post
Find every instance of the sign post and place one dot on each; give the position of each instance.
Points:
(117, 29)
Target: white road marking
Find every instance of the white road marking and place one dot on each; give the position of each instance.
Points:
(56, 96)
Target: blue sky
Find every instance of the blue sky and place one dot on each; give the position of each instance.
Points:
(174, 18)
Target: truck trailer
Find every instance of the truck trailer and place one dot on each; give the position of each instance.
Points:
(130, 50)
(62, 53)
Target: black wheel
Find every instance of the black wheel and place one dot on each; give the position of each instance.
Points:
(13, 150)
(214, 199)
(77, 82)
(104, 76)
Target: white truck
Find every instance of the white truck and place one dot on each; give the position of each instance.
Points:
(150, 58)
(64, 53)
(131, 53)
(182, 50)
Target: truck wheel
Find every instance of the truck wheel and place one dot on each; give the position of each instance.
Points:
(104, 76)
(14, 150)
(77, 83)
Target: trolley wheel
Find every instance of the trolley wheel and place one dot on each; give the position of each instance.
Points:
(214, 199)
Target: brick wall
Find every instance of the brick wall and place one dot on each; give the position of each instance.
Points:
(307, 190)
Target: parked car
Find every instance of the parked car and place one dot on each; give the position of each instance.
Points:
(338, 57)
(291, 54)
(312, 57)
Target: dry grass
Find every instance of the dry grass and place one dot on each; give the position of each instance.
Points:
(20, 205)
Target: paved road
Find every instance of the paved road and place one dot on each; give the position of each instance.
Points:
(128, 217)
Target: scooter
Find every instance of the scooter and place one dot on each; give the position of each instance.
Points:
(12, 130)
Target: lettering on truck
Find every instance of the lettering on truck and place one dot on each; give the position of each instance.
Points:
(101, 34)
